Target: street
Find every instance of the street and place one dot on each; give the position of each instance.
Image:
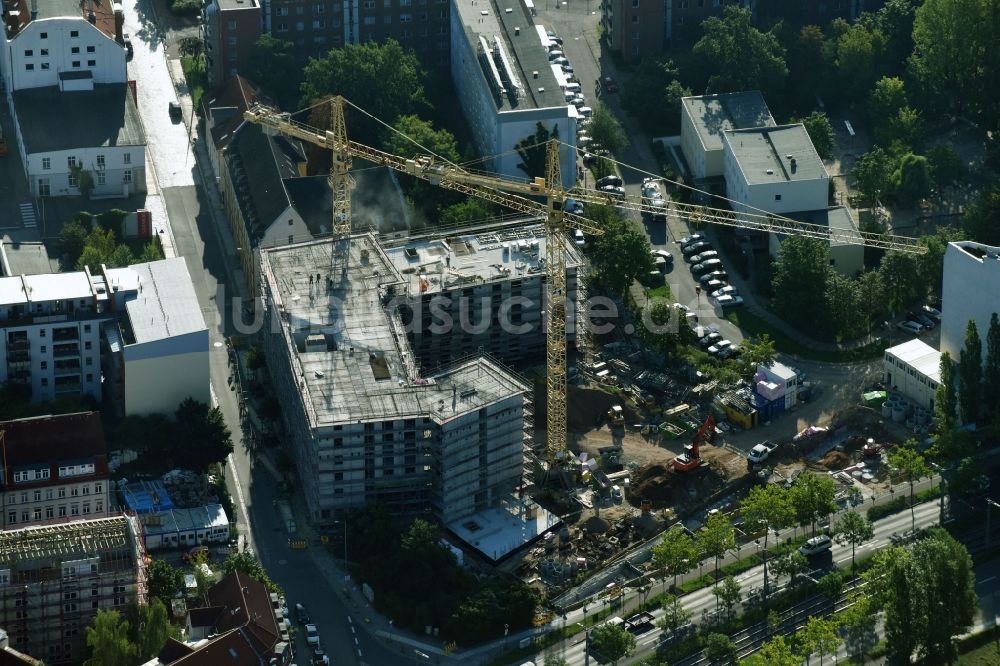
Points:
(197, 231)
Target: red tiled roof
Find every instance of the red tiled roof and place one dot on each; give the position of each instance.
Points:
(42, 440)
(230, 649)
(248, 604)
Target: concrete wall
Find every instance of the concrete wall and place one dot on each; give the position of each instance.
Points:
(160, 375)
(515, 126)
(902, 377)
(971, 290)
(108, 56)
(115, 170)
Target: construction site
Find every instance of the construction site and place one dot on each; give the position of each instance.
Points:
(54, 578)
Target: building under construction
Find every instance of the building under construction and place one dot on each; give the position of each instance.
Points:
(54, 579)
(437, 426)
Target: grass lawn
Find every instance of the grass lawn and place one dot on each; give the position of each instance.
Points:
(661, 292)
(752, 325)
(197, 80)
(980, 650)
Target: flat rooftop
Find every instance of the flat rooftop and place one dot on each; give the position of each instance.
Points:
(430, 265)
(25, 259)
(184, 520)
(714, 114)
(58, 286)
(12, 291)
(519, 41)
(357, 364)
(920, 356)
(103, 117)
(165, 304)
(765, 154)
(501, 531)
(237, 4)
(835, 217)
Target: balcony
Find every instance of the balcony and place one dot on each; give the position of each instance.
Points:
(65, 334)
(68, 368)
(18, 345)
(68, 384)
(18, 357)
(66, 351)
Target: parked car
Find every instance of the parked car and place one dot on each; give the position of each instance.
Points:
(301, 614)
(567, 68)
(704, 256)
(610, 180)
(710, 339)
(706, 266)
(933, 313)
(722, 291)
(816, 545)
(174, 109)
(688, 240)
(556, 53)
(924, 320)
(910, 327)
(713, 285)
(915, 318)
(730, 351)
(669, 258)
(312, 636)
(585, 111)
(729, 300)
(610, 85)
(614, 191)
(714, 275)
(695, 248)
(578, 238)
(558, 60)
(127, 43)
(719, 346)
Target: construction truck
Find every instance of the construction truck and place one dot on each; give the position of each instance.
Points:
(760, 452)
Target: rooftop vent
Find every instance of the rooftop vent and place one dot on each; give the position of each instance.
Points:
(534, 73)
(770, 172)
(517, 31)
(541, 90)
(508, 10)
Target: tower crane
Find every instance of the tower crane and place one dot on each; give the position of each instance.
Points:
(523, 196)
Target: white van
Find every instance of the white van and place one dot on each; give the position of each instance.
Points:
(815, 545)
(585, 111)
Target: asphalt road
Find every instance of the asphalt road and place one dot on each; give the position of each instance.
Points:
(196, 236)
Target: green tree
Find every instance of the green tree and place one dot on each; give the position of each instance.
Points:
(756, 351)
(652, 95)
(415, 136)
(607, 131)
(945, 398)
(857, 626)
(901, 279)
(991, 370)
(809, 64)
(930, 265)
(464, 212)
(950, 600)
(911, 466)
(621, 254)
(769, 508)
(728, 594)
(872, 173)
(907, 127)
(831, 585)
(895, 21)
(273, 64)
(720, 648)
(533, 150)
(813, 495)
(716, 537)
(854, 529)
(820, 635)
(887, 98)
(980, 219)
(165, 581)
(151, 251)
(911, 181)
(248, 564)
(382, 78)
(790, 565)
(738, 56)
(820, 131)
(970, 375)
(72, 241)
(99, 248)
(871, 298)
(860, 60)
(843, 306)
(946, 165)
(612, 642)
(148, 627)
(202, 435)
(553, 660)
(775, 652)
(800, 273)
(676, 554)
(675, 615)
(107, 638)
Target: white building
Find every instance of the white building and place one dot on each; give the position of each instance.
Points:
(970, 291)
(506, 86)
(705, 118)
(62, 55)
(184, 528)
(913, 368)
(783, 378)
(135, 332)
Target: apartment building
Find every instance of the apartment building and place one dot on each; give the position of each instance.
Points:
(132, 335)
(506, 85)
(54, 579)
(231, 28)
(55, 469)
(364, 422)
(704, 119)
(634, 28)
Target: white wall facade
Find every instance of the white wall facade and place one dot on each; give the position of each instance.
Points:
(159, 375)
(911, 382)
(45, 48)
(512, 127)
(62, 357)
(287, 228)
(791, 196)
(691, 146)
(970, 291)
(123, 171)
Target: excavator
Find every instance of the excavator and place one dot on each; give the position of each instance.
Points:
(691, 458)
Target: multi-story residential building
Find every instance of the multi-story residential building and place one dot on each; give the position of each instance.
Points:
(55, 469)
(364, 423)
(704, 118)
(54, 579)
(970, 292)
(634, 28)
(506, 85)
(65, 54)
(231, 28)
(136, 332)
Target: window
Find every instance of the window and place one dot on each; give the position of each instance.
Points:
(75, 50)
(28, 53)
(62, 511)
(91, 63)
(282, 27)
(635, 18)
(74, 491)
(231, 25)
(43, 35)
(37, 496)
(777, 197)
(98, 488)
(369, 4)
(12, 517)
(43, 52)
(86, 508)
(74, 510)
(90, 361)
(76, 63)
(127, 158)
(90, 378)
(370, 20)
(46, 165)
(231, 41)
(24, 516)
(86, 489)
(319, 25)
(45, 364)
(74, 33)
(300, 26)
(126, 178)
(72, 183)
(282, 11)
(48, 512)
(36, 514)
(43, 332)
(29, 67)
(405, 18)
(87, 344)
(48, 491)
(99, 507)
(62, 493)
(44, 65)
(90, 49)
(319, 9)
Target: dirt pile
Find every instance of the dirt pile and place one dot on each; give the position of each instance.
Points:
(653, 483)
(596, 525)
(835, 460)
